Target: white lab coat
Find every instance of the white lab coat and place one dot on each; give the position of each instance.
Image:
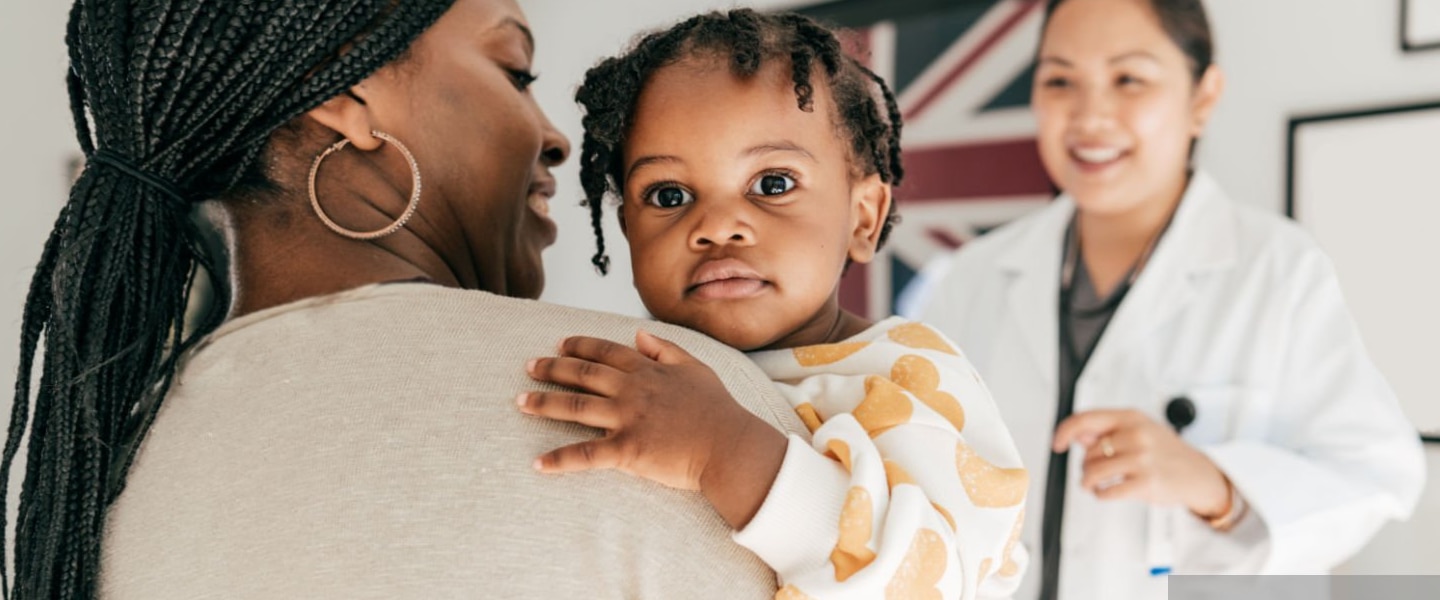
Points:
(1239, 311)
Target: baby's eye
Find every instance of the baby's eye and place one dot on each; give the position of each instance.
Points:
(668, 197)
(772, 185)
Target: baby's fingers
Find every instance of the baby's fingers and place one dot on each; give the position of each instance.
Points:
(594, 411)
(577, 373)
(604, 352)
(603, 453)
(660, 349)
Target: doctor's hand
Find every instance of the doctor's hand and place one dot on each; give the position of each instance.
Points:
(667, 418)
(1130, 456)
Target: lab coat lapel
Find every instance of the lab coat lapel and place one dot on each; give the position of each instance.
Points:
(1033, 286)
(1201, 238)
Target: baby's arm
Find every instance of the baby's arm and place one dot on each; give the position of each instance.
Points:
(932, 485)
(667, 417)
(877, 519)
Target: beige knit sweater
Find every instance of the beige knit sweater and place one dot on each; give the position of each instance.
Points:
(367, 445)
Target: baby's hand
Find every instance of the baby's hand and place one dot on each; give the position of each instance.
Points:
(665, 413)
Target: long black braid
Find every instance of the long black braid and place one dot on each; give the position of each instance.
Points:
(866, 112)
(174, 102)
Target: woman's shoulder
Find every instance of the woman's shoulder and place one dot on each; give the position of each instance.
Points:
(1266, 239)
(1267, 257)
(448, 337)
(437, 312)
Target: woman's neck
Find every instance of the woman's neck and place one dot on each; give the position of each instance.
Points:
(274, 265)
(1112, 243)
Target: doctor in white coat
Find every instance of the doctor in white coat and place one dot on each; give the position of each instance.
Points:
(1144, 290)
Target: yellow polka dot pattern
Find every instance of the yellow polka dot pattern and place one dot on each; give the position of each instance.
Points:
(808, 416)
(896, 474)
(920, 377)
(1010, 568)
(885, 406)
(857, 522)
(920, 573)
(989, 486)
(984, 571)
(826, 354)
(910, 380)
(839, 450)
(920, 337)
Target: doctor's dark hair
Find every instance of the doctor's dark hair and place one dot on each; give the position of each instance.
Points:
(865, 112)
(1185, 22)
(173, 103)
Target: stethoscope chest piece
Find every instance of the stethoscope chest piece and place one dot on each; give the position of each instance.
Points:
(1180, 412)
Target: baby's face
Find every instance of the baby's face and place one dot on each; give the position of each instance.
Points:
(740, 208)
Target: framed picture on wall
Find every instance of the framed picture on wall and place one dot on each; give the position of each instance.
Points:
(1419, 25)
(1365, 184)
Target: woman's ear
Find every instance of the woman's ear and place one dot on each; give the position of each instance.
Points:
(348, 115)
(870, 200)
(1207, 95)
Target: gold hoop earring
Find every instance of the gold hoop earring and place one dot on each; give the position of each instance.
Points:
(378, 233)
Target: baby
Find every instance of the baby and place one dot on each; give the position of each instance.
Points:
(754, 162)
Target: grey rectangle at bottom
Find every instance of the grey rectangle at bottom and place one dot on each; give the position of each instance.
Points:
(1304, 587)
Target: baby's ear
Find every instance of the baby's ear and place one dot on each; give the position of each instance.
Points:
(870, 200)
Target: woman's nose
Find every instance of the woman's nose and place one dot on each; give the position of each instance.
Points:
(1093, 110)
(555, 146)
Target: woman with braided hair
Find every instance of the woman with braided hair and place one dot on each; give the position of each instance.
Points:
(340, 424)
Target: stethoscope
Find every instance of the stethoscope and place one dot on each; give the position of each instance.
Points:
(1180, 411)
(1069, 312)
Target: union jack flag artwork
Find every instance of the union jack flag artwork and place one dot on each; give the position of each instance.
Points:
(962, 74)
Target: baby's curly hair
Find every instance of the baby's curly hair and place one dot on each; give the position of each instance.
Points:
(749, 38)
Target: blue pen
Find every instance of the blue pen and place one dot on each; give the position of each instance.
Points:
(1159, 548)
(1180, 412)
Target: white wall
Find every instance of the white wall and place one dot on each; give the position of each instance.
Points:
(1284, 57)
(36, 139)
(1298, 57)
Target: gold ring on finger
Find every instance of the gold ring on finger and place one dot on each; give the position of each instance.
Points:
(1106, 448)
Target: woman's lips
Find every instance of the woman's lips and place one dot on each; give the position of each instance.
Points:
(725, 279)
(538, 201)
(540, 204)
(1096, 159)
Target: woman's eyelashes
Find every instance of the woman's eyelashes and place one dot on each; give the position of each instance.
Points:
(1129, 81)
(522, 78)
(1058, 83)
(1124, 80)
